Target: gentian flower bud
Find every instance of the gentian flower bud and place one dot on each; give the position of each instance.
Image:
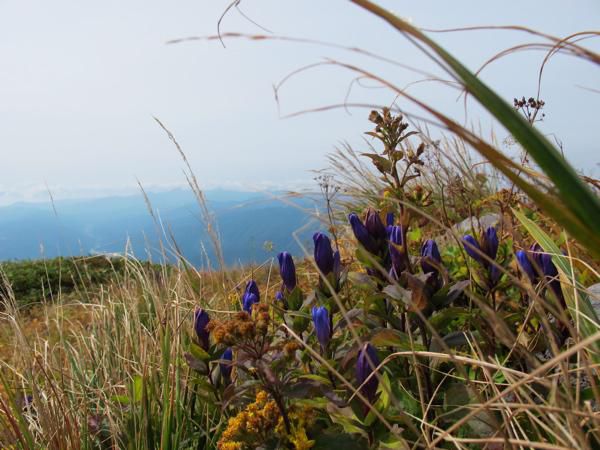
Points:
(362, 234)
(551, 273)
(366, 363)
(470, 244)
(398, 261)
(201, 320)
(430, 254)
(490, 243)
(525, 265)
(287, 270)
(374, 224)
(248, 300)
(337, 264)
(252, 288)
(320, 317)
(225, 367)
(535, 252)
(323, 253)
(279, 296)
(389, 219)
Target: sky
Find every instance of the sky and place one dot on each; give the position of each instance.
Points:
(81, 83)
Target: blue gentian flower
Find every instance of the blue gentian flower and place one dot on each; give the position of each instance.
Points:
(471, 246)
(362, 234)
(320, 317)
(374, 225)
(525, 265)
(324, 257)
(201, 320)
(490, 243)
(389, 219)
(225, 367)
(367, 361)
(252, 288)
(249, 299)
(279, 296)
(430, 256)
(551, 273)
(287, 270)
(396, 238)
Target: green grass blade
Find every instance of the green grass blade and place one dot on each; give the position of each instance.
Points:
(576, 196)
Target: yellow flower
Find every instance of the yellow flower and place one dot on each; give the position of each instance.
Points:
(300, 439)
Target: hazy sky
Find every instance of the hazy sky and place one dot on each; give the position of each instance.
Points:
(80, 82)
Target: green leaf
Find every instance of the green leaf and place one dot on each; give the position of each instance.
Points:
(442, 319)
(198, 352)
(295, 299)
(138, 386)
(121, 399)
(382, 164)
(387, 337)
(346, 418)
(331, 439)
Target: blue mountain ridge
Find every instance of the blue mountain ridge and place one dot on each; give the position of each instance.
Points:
(252, 226)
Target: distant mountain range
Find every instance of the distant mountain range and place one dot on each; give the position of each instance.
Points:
(252, 226)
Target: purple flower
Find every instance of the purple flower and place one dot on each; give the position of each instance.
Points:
(279, 296)
(362, 234)
(374, 225)
(287, 270)
(320, 317)
(490, 243)
(551, 273)
(389, 219)
(226, 367)
(523, 259)
(471, 246)
(324, 256)
(367, 361)
(252, 288)
(201, 320)
(398, 257)
(337, 264)
(249, 299)
(430, 254)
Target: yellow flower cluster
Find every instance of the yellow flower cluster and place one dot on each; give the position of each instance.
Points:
(253, 424)
(260, 421)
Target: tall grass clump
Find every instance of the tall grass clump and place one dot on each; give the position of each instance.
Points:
(440, 304)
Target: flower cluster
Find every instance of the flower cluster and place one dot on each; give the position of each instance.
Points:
(260, 423)
(537, 266)
(485, 252)
(242, 328)
(251, 426)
